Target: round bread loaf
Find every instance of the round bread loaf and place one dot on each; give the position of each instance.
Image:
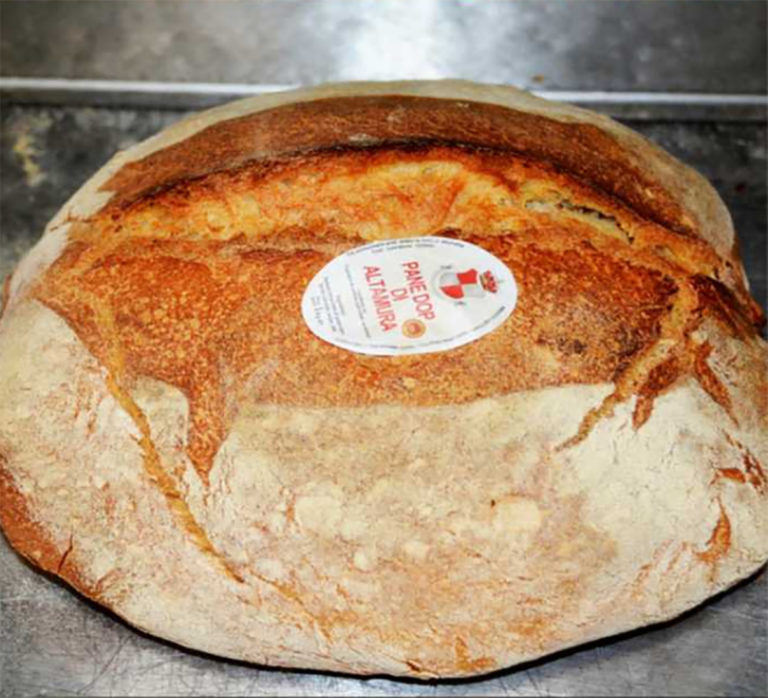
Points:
(178, 445)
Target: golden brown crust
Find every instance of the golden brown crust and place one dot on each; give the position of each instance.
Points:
(155, 288)
(486, 519)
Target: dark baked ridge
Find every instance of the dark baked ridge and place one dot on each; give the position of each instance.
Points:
(583, 150)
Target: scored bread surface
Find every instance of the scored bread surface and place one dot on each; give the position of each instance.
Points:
(177, 445)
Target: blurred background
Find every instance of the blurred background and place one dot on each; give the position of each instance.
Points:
(82, 79)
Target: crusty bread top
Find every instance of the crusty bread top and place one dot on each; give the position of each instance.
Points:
(359, 114)
(191, 269)
(581, 149)
(581, 142)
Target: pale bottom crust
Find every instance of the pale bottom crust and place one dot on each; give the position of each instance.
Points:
(439, 541)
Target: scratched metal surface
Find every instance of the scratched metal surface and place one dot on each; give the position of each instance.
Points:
(53, 642)
(715, 46)
(675, 59)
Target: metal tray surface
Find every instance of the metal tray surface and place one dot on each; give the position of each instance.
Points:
(53, 642)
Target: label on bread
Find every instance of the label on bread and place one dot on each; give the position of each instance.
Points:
(409, 296)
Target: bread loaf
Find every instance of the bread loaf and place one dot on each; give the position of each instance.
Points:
(184, 442)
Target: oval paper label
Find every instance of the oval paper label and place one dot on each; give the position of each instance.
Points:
(409, 296)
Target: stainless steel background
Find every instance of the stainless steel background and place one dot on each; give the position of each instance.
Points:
(684, 60)
(676, 71)
(682, 46)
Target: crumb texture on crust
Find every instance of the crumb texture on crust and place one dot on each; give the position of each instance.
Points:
(195, 459)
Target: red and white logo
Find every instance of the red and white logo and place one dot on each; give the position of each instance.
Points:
(406, 296)
(458, 285)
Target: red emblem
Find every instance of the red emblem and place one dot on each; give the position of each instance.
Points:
(466, 284)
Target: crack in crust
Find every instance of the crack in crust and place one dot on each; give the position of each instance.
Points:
(674, 355)
(166, 484)
(365, 123)
(64, 557)
(113, 361)
(30, 539)
(719, 542)
(753, 472)
(664, 559)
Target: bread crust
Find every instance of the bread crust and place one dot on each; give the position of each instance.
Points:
(192, 459)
